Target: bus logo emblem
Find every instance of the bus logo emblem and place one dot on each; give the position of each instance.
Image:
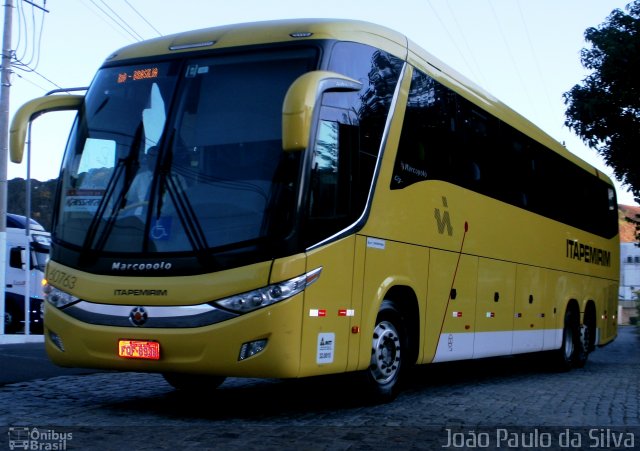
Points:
(443, 220)
(138, 316)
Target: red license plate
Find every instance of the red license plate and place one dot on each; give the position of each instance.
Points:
(139, 349)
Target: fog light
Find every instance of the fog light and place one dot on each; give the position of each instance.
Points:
(252, 348)
(56, 340)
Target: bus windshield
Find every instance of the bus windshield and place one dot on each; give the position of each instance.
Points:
(182, 157)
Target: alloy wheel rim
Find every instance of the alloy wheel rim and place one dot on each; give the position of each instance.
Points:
(385, 353)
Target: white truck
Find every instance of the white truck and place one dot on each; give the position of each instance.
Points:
(38, 245)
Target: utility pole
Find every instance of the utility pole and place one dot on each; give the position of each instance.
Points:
(5, 79)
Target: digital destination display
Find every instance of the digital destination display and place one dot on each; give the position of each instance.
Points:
(138, 74)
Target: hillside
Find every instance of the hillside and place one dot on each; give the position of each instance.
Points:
(42, 194)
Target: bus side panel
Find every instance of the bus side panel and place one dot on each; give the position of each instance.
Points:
(529, 316)
(391, 264)
(358, 287)
(328, 309)
(451, 306)
(494, 308)
(562, 288)
(607, 314)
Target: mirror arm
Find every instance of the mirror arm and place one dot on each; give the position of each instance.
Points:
(31, 110)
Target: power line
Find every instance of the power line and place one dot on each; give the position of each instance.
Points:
(36, 40)
(535, 58)
(142, 17)
(511, 57)
(111, 21)
(466, 43)
(124, 22)
(102, 18)
(21, 27)
(30, 81)
(39, 75)
(451, 38)
(36, 49)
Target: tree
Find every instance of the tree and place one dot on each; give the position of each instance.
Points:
(42, 194)
(604, 110)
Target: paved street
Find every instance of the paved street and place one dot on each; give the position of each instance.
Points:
(29, 361)
(507, 402)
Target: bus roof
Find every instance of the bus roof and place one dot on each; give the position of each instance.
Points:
(255, 33)
(292, 30)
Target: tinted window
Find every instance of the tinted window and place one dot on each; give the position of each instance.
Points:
(184, 157)
(446, 137)
(348, 139)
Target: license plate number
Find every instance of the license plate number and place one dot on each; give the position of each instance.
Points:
(139, 349)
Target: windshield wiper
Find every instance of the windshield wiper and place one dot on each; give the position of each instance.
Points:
(126, 166)
(184, 209)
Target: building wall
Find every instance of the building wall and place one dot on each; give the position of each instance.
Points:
(629, 281)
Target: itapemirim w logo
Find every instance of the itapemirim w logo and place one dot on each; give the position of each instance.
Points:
(32, 438)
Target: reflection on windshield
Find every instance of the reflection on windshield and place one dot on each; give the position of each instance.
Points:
(215, 177)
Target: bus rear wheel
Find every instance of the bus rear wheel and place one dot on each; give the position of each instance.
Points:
(387, 346)
(571, 351)
(193, 382)
(582, 350)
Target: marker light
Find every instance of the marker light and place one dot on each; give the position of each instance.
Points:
(252, 348)
(262, 297)
(191, 45)
(56, 340)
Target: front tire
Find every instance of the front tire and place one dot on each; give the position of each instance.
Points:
(389, 348)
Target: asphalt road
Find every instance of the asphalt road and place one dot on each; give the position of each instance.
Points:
(28, 362)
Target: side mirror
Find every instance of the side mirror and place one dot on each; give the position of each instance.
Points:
(300, 101)
(32, 109)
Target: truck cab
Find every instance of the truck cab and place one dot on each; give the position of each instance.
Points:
(37, 243)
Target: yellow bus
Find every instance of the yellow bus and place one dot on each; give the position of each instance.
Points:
(306, 197)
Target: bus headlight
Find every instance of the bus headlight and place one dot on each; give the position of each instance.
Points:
(262, 297)
(56, 297)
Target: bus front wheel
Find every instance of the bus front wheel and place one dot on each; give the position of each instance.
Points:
(387, 346)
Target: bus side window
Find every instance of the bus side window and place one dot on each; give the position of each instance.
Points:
(339, 181)
(429, 145)
(323, 201)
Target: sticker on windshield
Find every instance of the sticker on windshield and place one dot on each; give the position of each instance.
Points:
(192, 70)
(83, 200)
(160, 228)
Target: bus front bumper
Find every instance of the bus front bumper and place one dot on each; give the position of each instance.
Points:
(214, 349)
